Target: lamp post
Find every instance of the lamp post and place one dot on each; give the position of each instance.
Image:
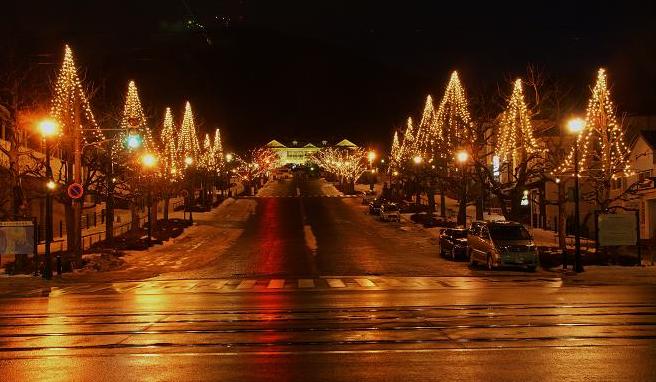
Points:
(49, 128)
(462, 157)
(371, 156)
(188, 162)
(149, 161)
(575, 126)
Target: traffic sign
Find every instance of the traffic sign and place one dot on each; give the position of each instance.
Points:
(75, 191)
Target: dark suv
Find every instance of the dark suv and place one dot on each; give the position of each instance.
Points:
(501, 244)
(453, 243)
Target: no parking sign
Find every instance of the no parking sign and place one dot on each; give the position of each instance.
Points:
(75, 191)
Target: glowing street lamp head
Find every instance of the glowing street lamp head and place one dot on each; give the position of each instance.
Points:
(462, 156)
(51, 185)
(371, 156)
(575, 125)
(189, 161)
(229, 157)
(48, 128)
(417, 159)
(395, 173)
(149, 160)
(133, 141)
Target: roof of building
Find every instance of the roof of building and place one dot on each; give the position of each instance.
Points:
(309, 145)
(650, 137)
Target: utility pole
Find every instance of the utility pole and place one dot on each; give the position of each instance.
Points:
(77, 178)
(109, 202)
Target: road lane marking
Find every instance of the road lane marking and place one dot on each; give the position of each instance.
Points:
(276, 284)
(306, 283)
(246, 284)
(365, 283)
(336, 283)
(393, 282)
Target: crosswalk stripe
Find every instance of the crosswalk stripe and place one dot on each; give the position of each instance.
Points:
(365, 283)
(246, 284)
(219, 284)
(276, 284)
(336, 283)
(306, 283)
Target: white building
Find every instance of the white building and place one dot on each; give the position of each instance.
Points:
(300, 153)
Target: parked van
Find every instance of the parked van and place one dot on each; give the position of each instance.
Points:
(501, 244)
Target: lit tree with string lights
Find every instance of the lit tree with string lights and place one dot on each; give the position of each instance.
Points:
(394, 153)
(519, 151)
(168, 144)
(427, 135)
(188, 146)
(348, 164)
(72, 111)
(217, 151)
(128, 156)
(453, 129)
(603, 154)
(189, 151)
(257, 163)
(452, 119)
(170, 162)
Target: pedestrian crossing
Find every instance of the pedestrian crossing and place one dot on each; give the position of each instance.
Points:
(301, 196)
(264, 285)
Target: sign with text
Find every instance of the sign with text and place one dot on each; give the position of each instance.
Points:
(617, 229)
(17, 237)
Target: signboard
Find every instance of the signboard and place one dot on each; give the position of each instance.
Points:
(617, 229)
(17, 237)
(75, 191)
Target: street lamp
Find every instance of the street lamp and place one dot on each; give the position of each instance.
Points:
(575, 126)
(48, 129)
(188, 162)
(417, 159)
(462, 157)
(149, 161)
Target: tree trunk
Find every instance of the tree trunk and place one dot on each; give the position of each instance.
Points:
(153, 214)
(431, 201)
(442, 201)
(562, 217)
(134, 216)
(165, 209)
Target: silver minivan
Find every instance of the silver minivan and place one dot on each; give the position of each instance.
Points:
(501, 244)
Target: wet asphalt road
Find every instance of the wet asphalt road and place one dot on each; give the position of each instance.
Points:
(315, 290)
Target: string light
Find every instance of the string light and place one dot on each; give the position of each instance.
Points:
(167, 138)
(603, 152)
(405, 151)
(134, 119)
(217, 150)
(346, 163)
(68, 97)
(516, 137)
(427, 133)
(452, 119)
(394, 153)
(188, 145)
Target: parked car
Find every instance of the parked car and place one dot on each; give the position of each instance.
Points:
(411, 208)
(453, 243)
(501, 244)
(390, 212)
(374, 206)
(368, 197)
(431, 220)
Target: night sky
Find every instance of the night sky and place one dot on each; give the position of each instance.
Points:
(317, 70)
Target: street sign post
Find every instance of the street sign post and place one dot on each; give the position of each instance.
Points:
(75, 191)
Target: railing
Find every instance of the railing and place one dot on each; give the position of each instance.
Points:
(89, 239)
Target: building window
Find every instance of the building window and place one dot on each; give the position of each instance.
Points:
(616, 184)
(643, 179)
